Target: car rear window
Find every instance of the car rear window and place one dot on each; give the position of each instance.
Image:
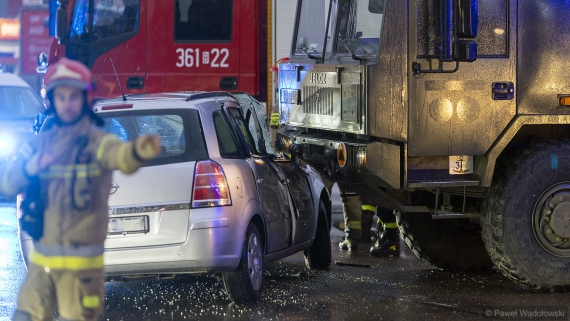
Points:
(19, 102)
(180, 132)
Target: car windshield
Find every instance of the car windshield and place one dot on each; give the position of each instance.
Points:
(180, 132)
(19, 102)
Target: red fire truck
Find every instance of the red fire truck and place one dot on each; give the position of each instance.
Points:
(157, 46)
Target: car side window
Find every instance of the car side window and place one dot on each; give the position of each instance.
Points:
(236, 115)
(229, 148)
(255, 130)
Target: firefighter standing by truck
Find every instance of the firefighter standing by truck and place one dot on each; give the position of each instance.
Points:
(72, 163)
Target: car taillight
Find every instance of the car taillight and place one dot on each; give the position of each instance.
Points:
(210, 185)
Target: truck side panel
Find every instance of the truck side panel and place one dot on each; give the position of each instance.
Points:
(200, 51)
(543, 56)
(455, 113)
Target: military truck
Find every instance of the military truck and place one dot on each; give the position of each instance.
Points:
(454, 113)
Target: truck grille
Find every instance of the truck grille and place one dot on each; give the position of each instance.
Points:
(318, 100)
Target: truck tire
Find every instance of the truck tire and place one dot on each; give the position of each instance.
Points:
(525, 222)
(318, 256)
(450, 244)
(245, 283)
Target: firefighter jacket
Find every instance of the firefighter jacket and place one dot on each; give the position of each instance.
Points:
(75, 189)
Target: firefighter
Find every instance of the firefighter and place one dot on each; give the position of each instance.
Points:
(73, 163)
(352, 212)
(388, 239)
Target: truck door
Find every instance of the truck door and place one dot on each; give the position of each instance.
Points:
(204, 51)
(272, 194)
(461, 112)
(105, 30)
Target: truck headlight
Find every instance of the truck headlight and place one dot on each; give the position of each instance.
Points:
(7, 145)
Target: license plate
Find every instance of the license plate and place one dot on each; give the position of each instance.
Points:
(128, 225)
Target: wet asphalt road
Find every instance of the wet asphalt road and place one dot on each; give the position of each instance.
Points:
(402, 288)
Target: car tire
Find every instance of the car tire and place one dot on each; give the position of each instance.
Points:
(246, 282)
(519, 232)
(319, 256)
(450, 244)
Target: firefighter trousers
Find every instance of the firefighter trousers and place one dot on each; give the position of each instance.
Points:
(77, 295)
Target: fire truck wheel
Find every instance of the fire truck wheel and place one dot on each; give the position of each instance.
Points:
(450, 244)
(245, 283)
(318, 256)
(526, 225)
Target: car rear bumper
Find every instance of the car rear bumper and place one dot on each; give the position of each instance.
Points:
(206, 249)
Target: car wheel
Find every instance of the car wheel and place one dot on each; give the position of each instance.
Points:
(318, 256)
(245, 283)
(525, 222)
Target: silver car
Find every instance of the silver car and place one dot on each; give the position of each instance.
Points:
(218, 200)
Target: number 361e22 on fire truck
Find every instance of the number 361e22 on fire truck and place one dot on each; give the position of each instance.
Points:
(454, 113)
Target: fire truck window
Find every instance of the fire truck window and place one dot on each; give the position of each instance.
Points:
(110, 18)
(203, 20)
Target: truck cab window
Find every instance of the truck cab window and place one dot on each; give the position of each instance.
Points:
(110, 18)
(492, 34)
(359, 26)
(311, 31)
(203, 20)
(353, 34)
(493, 29)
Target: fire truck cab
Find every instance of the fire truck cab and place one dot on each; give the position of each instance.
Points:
(163, 46)
(454, 113)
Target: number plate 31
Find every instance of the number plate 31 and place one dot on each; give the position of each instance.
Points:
(460, 165)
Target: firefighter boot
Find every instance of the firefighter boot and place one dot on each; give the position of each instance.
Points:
(388, 244)
(366, 220)
(351, 208)
(379, 229)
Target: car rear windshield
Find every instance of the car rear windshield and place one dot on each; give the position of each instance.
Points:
(180, 132)
(19, 102)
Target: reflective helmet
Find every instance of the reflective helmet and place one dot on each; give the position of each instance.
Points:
(66, 72)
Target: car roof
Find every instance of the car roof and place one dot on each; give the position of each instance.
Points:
(185, 99)
(11, 80)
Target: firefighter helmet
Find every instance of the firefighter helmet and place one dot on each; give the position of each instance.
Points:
(66, 72)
